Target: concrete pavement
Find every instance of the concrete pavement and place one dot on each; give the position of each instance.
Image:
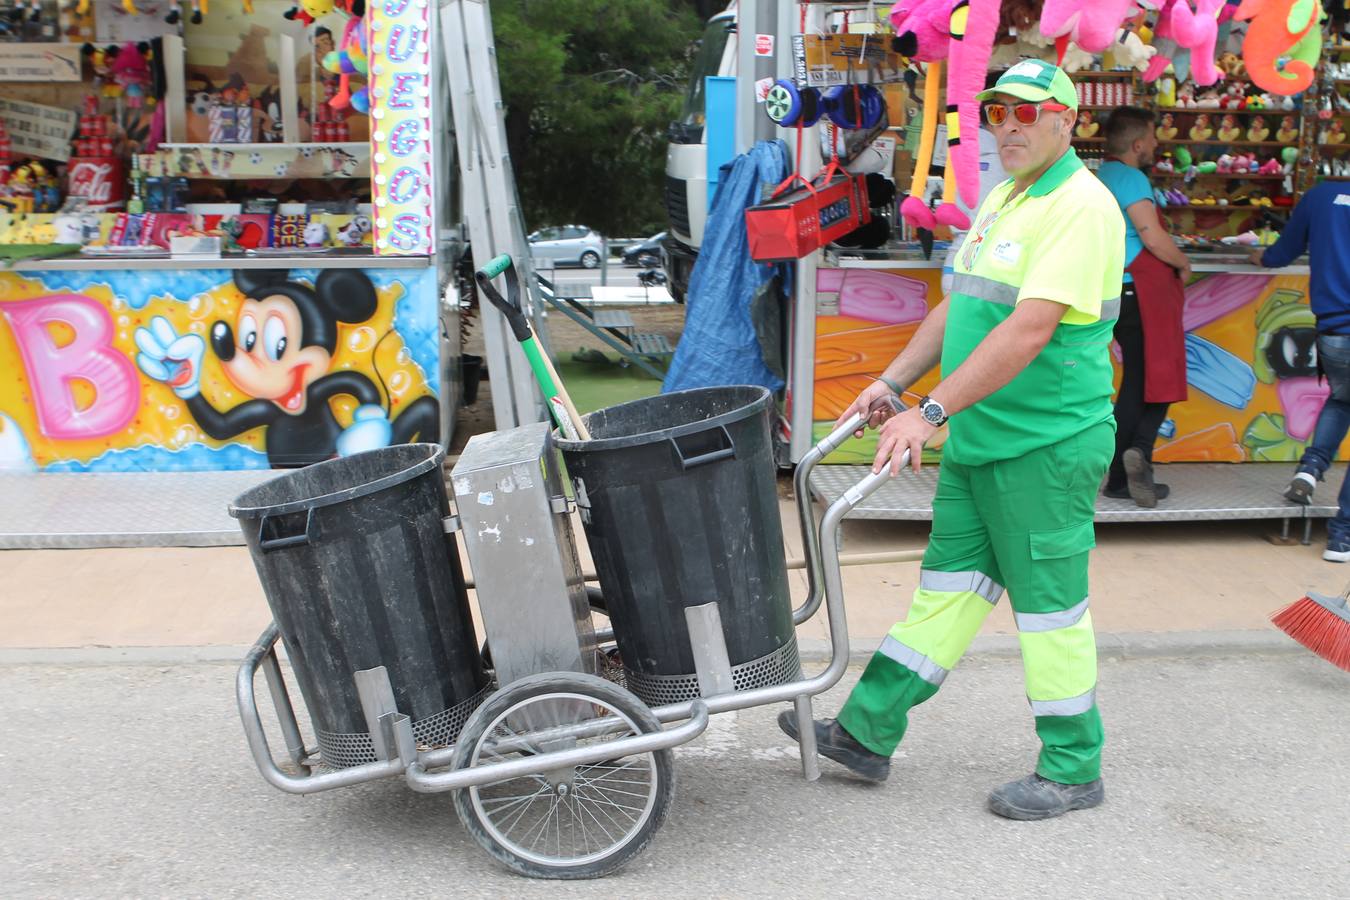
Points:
(1225, 777)
(1207, 583)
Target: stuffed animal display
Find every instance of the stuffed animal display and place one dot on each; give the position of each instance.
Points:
(963, 32)
(1283, 43)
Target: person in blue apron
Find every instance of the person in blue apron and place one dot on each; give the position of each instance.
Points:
(1151, 337)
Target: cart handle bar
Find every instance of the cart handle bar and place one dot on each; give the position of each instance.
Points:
(801, 486)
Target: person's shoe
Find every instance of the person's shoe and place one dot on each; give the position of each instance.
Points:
(1159, 490)
(1300, 488)
(1139, 478)
(1035, 797)
(1338, 550)
(835, 743)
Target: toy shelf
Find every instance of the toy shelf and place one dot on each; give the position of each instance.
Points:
(353, 147)
(1228, 143)
(259, 162)
(1221, 111)
(1231, 208)
(1224, 175)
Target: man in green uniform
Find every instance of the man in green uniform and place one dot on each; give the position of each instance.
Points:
(1023, 339)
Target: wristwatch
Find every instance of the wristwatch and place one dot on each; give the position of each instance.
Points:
(932, 412)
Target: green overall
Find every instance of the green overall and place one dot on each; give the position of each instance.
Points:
(1019, 475)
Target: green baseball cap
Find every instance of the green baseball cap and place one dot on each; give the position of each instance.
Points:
(1034, 80)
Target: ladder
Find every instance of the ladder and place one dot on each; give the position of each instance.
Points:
(490, 201)
(616, 329)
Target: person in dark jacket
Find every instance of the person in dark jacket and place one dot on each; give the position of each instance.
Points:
(1320, 226)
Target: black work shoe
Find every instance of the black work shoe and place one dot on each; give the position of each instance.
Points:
(837, 744)
(1300, 489)
(1161, 491)
(1035, 797)
(1139, 478)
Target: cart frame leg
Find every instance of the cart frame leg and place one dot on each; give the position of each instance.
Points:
(806, 732)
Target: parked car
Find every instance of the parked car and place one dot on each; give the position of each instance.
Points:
(568, 245)
(645, 254)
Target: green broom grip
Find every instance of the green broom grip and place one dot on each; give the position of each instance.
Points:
(535, 356)
(496, 266)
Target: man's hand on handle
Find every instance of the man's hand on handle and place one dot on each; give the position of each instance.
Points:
(905, 431)
(875, 404)
(901, 429)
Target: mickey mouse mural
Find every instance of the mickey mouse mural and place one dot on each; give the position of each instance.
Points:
(279, 352)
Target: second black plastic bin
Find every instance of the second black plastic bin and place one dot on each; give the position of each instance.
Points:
(679, 502)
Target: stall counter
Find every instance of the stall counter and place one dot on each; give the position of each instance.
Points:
(338, 353)
(1254, 394)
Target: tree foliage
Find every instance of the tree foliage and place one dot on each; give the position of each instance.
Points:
(590, 87)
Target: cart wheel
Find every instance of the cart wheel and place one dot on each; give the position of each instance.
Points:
(571, 822)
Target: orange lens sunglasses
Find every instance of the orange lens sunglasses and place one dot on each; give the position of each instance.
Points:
(1025, 113)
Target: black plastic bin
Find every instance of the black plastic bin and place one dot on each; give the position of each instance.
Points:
(679, 502)
(360, 573)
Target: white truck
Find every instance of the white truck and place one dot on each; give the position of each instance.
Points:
(686, 195)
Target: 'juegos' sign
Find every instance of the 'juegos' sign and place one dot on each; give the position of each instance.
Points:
(401, 136)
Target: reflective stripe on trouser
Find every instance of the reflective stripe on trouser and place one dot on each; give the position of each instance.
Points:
(1025, 523)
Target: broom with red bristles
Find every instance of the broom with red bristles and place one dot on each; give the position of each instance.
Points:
(1322, 624)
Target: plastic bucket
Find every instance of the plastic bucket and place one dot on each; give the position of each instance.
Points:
(359, 572)
(678, 498)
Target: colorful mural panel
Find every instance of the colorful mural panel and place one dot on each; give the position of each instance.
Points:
(173, 370)
(1250, 358)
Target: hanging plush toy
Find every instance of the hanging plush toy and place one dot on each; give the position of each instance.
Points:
(198, 10)
(309, 11)
(1281, 29)
(1091, 24)
(921, 29)
(1186, 39)
(350, 59)
(964, 31)
(130, 70)
(973, 25)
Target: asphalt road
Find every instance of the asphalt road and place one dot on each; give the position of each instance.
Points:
(1225, 777)
(619, 275)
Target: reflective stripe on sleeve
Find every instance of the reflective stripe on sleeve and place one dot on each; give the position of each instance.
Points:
(913, 660)
(975, 582)
(1051, 621)
(982, 288)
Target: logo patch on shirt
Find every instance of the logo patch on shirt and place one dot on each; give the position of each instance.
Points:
(1007, 252)
(1342, 200)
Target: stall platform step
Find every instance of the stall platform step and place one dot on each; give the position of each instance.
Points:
(652, 345)
(1200, 491)
(51, 510)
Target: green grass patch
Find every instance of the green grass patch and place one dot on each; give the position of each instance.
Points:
(594, 384)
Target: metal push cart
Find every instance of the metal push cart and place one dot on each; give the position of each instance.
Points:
(564, 774)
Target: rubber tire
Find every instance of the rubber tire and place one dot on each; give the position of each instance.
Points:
(648, 261)
(551, 683)
(590, 260)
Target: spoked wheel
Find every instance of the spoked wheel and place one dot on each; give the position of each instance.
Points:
(574, 821)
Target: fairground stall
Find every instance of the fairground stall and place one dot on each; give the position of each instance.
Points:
(229, 239)
(1248, 117)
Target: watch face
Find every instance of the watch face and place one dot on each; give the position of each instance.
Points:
(932, 412)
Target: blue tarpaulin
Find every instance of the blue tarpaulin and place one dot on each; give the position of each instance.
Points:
(719, 345)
